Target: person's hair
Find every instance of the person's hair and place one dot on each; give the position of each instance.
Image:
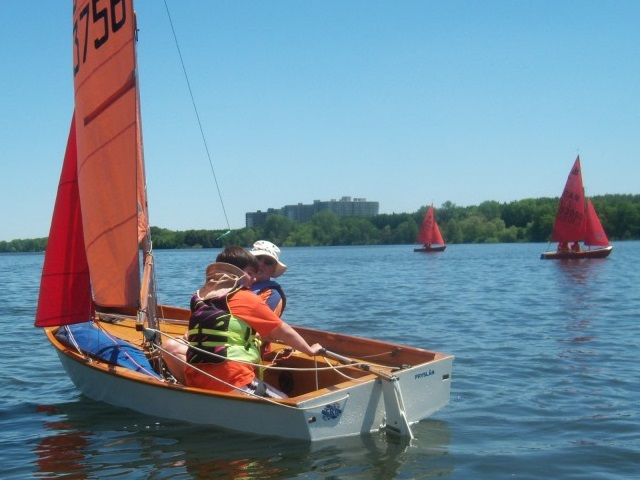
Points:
(239, 257)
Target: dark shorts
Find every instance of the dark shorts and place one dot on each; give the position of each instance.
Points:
(262, 389)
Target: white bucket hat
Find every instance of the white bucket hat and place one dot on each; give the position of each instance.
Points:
(262, 247)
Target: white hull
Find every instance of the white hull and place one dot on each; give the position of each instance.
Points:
(340, 410)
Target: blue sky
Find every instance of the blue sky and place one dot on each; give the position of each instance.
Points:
(406, 102)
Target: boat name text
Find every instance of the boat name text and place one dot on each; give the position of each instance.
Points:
(428, 373)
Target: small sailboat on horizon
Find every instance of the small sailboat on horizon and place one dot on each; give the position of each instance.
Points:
(430, 235)
(577, 221)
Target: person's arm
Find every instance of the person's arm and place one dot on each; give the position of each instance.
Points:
(249, 307)
(287, 334)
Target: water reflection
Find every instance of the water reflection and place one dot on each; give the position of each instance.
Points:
(577, 293)
(88, 439)
(580, 272)
(63, 451)
(579, 297)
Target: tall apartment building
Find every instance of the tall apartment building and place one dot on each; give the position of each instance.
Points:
(345, 207)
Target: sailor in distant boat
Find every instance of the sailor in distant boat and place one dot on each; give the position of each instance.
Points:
(563, 246)
(575, 247)
(225, 318)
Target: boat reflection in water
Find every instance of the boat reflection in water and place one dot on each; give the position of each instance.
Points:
(82, 445)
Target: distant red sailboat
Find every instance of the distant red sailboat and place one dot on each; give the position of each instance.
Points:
(430, 235)
(577, 221)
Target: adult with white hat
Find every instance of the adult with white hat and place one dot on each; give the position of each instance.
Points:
(268, 256)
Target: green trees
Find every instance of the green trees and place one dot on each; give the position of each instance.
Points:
(528, 220)
(27, 245)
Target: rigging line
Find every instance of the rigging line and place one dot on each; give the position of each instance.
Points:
(256, 365)
(204, 140)
(251, 394)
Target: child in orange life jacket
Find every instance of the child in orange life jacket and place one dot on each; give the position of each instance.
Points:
(225, 317)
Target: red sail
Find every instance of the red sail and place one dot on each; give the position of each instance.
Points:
(595, 235)
(65, 288)
(429, 232)
(100, 213)
(437, 236)
(570, 223)
(110, 176)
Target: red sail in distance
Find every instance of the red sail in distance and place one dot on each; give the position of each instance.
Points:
(570, 224)
(437, 236)
(595, 235)
(430, 232)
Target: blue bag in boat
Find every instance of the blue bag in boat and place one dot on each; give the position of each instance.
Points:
(96, 343)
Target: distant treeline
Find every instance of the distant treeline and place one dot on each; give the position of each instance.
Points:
(529, 220)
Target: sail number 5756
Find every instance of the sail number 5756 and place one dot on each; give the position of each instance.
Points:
(104, 17)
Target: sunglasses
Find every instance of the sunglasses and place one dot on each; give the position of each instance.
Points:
(268, 261)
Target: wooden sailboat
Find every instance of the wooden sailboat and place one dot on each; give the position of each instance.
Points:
(430, 235)
(577, 221)
(98, 306)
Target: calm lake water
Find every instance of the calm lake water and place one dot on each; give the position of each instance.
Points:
(545, 381)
